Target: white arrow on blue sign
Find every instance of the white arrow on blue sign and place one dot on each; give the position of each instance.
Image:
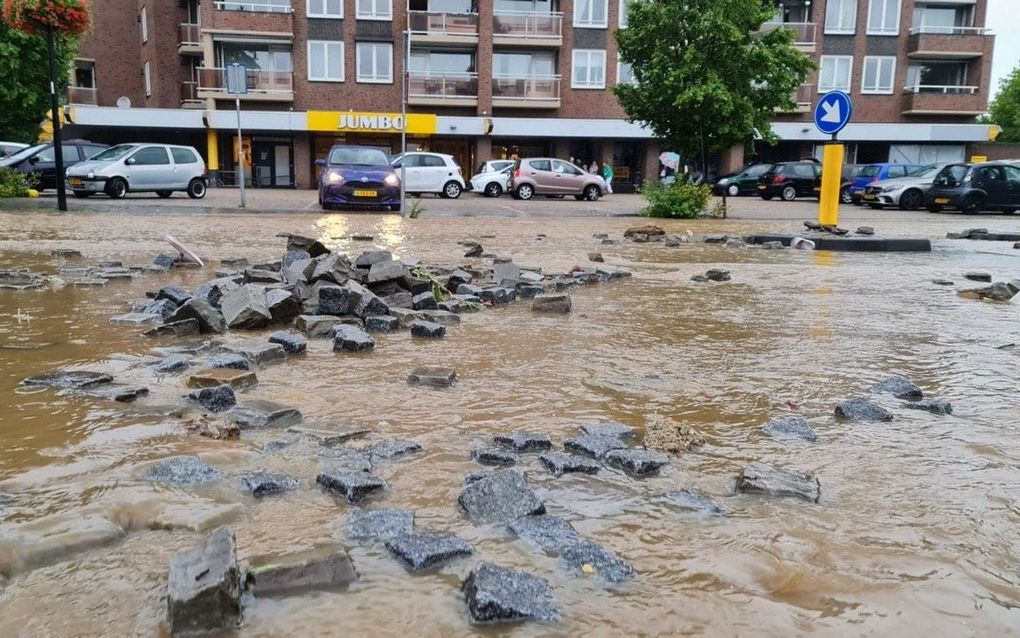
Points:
(833, 112)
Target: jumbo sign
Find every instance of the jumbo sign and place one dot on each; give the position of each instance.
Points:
(353, 122)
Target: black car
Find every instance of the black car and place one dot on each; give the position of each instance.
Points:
(41, 160)
(972, 188)
(744, 182)
(790, 180)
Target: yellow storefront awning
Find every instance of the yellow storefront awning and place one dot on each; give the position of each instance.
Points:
(363, 122)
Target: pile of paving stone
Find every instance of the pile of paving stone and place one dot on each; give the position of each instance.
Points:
(84, 276)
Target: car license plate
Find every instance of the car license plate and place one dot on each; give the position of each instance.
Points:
(761, 187)
(365, 193)
(941, 200)
(868, 196)
(76, 182)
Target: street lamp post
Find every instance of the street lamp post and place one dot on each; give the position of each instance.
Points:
(58, 147)
(404, 90)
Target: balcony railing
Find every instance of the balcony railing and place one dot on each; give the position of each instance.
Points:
(537, 88)
(440, 23)
(804, 32)
(943, 89)
(260, 81)
(191, 35)
(930, 29)
(802, 98)
(451, 86)
(81, 95)
(257, 6)
(525, 24)
(189, 92)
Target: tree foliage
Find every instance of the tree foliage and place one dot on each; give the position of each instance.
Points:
(1005, 108)
(25, 88)
(705, 78)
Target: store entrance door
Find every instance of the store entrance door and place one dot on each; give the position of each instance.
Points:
(273, 164)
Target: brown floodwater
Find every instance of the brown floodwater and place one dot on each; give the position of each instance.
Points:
(916, 532)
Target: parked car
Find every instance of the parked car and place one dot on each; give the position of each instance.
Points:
(790, 180)
(553, 177)
(41, 160)
(972, 188)
(10, 148)
(743, 182)
(357, 176)
(908, 192)
(877, 172)
(140, 168)
(494, 166)
(850, 171)
(492, 183)
(430, 173)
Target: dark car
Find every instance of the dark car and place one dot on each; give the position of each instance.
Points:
(876, 173)
(744, 182)
(972, 188)
(790, 180)
(41, 160)
(358, 176)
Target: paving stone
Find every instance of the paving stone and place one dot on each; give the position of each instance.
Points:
(609, 428)
(215, 399)
(222, 376)
(593, 445)
(68, 379)
(499, 497)
(259, 352)
(899, 387)
(382, 323)
(119, 392)
(552, 302)
(341, 459)
(379, 524)
(183, 328)
(136, 319)
(204, 588)
(390, 450)
(636, 462)
(353, 486)
(426, 550)
(758, 478)
(935, 406)
(694, 501)
(316, 325)
(560, 463)
(260, 413)
(523, 441)
(862, 410)
(351, 339)
(322, 567)
(181, 471)
(427, 329)
(790, 428)
(495, 456)
(551, 533)
(259, 484)
(329, 438)
(607, 565)
(291, 342)
(172, 364)
(497, 594)
(229, 360)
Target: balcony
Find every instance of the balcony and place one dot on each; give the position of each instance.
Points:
(949, 43)
(262, 17)
(438, 27)
(803, 33)
(81, 95)
(189, 95)
(929, 99)
(803, 100)
(443, 89)
(190, 39)
(523, 28)
(263, 85)
(535, 92)
(255, 6)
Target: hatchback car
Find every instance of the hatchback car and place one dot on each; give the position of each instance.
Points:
(40, 160)
(744, 182)
(908, 193)
(492, 182)
(10, 148)
(430, 173)
(140, 168)
(357, 176)
(553, 177)
(872, 173)
(972, 188)
(790, 180)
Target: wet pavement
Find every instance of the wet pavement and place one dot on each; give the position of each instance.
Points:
(915, 530)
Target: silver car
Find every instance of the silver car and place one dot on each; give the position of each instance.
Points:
(906, 192)
(139, 168)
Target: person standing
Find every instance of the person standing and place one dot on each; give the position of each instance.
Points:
(607, 176)
(594, 168)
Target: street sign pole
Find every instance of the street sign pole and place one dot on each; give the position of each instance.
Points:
(832, 113)
(404, 90)
(238, 85)
(58, 149)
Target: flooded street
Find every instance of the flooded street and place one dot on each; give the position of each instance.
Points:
(916, 531)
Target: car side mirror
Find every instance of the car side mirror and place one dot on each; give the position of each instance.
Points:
(396, 164)
(129, 161)
(33, 160)
(320, 163)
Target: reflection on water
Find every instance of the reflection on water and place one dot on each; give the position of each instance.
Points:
(916, 531)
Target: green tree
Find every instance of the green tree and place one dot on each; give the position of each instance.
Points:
(25, 88)
(705, 78)
(1005, 108)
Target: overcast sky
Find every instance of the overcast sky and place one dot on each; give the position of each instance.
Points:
(1004, 20)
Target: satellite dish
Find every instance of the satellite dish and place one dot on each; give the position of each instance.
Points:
(123, 102)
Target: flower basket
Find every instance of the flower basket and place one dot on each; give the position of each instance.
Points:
(65, 17)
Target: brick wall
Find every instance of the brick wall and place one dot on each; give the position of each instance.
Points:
(114, 44)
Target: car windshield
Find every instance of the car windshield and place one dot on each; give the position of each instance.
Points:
(957, 172)
(113, 153)
(358, 157)
(757, 169)
(24, 154)
(870, 171)
(926, 171)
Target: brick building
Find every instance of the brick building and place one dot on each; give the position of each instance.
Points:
(494, 78)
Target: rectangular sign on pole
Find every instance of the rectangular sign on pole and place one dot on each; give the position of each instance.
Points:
(237, 79)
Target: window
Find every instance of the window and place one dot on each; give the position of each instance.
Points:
(938, 77)
(85, 74)
(897, 171)
(265, 57)
(325, 9)
(432, 161)
(563, 168)
(623, 13)
(268, 6)
(884, 17)
(325, 61)
(589, 69)
(439, 62)
(143, 24)
(375, 62)
(183, 156)
(522, 65)
(841, 17)
(879, 75)
(590, 13)
(624, 72)
(835, 72)
(68, 151)
(150, 156)
(1013, 173)
(541, 165)
(375, 10)
(147, 78)
(946, 20)
(88, 150)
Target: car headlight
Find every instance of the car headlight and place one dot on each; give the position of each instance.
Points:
(334, 177)
(392, 179)
(724, 181)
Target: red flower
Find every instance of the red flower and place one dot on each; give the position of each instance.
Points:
(66, 17)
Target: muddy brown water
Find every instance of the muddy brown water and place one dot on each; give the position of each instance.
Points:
(916, 531)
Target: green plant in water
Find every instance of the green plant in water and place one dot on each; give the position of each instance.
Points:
(677, 200)
(417, 209)
(438, 290)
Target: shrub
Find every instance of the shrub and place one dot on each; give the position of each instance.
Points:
(679, 200)
(13, 183)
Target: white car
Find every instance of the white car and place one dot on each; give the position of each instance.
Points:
(430, 173)
(154, 168)
(494, 181)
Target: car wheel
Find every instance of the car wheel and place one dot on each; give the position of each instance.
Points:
(493, 189)
(973, 204)
(525, 192)
(789, 193)
(732, 190)
(451, 190)
(592, 193)
(164, 194)
(196, 189)
(932, 208)
(845, 197)
(116, 188)
(766, 197)
(911, 200)
(81, 194)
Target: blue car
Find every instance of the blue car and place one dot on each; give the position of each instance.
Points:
(357, 176)
(876, 173)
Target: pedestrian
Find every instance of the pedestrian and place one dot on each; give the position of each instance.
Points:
(594, 168)
(607, 176)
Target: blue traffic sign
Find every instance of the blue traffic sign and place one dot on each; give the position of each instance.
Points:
(833, 112)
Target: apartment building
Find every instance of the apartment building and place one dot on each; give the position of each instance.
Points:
(493, 78)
